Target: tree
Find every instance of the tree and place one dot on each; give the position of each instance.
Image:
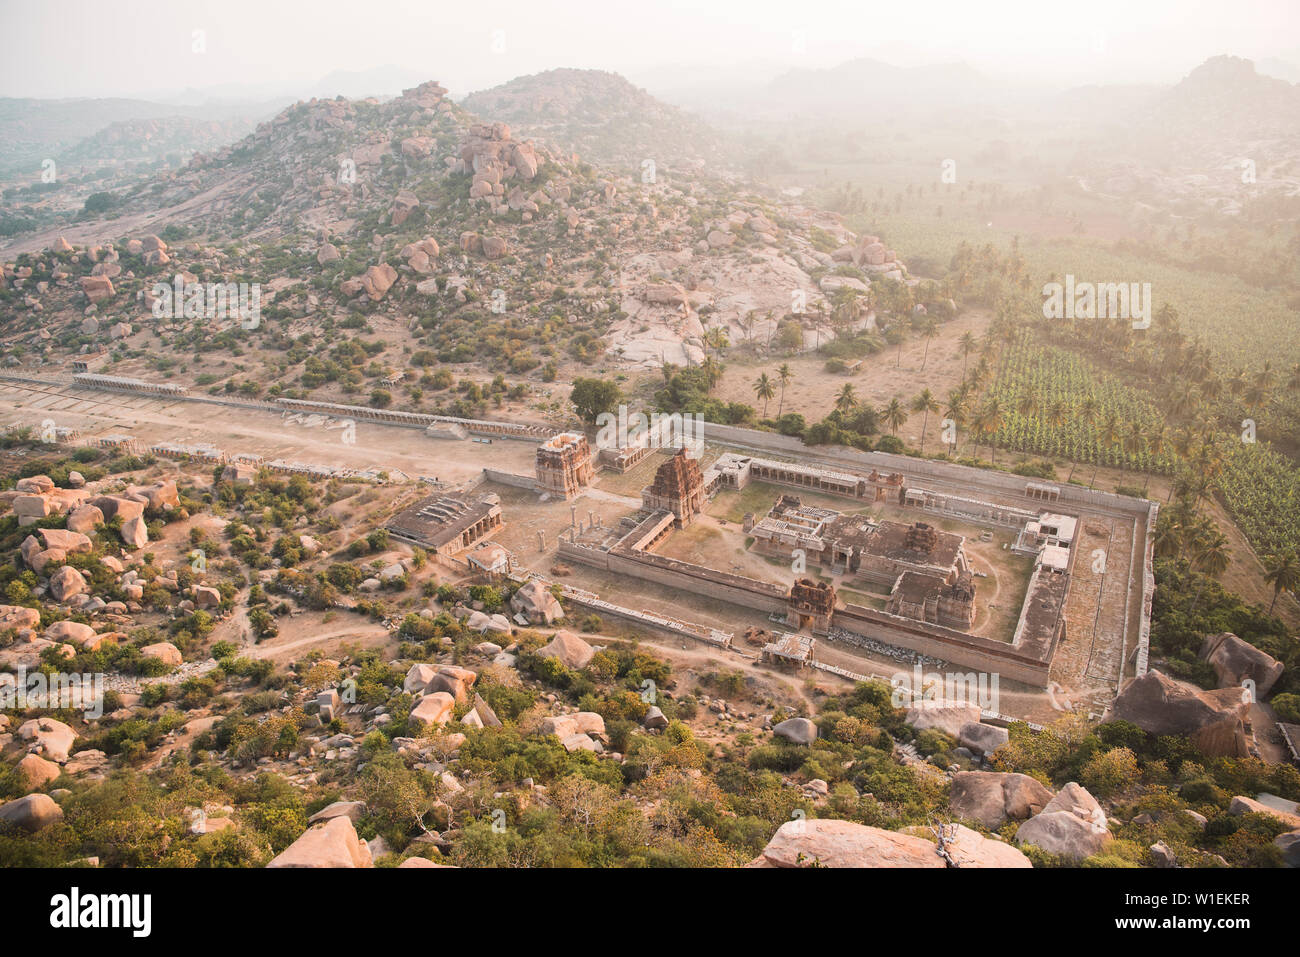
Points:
(1283, 573)
(846, 398)
(955, 410)
(784, 374)
(894, 415)
(591, 397)
(967, 343)
(925, 403)
(928, 328)
(763, 389)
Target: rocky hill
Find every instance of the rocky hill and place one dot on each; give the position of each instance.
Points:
(601, 117)
(410, 211)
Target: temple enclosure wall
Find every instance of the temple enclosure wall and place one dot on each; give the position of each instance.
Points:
(918, 470)
(681, 575)
(969, 651)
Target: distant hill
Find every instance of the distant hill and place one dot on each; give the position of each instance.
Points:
(598, 115)
(32, 130)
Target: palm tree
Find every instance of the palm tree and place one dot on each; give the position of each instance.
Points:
(894, 415)
(717, 339)
(987, 422)
(763, 389)
(1110, 437)
(1283, 574)
(967, 343)
(712, 370)
(925, 403)
(955, 410)
(1134, 443)
(929, 326)
(901, 323)
(1212, 559)
(785, 374)
(845, 399)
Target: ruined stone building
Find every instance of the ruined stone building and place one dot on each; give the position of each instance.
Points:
(811, 605)
(564, 464)
(678, 488)
(877, 552)
(936, 600)
(446, 525)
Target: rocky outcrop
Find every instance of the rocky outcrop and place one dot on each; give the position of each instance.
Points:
(1236, 661)
(1213, 721)
(50, 738)
(332, 844)
(374, 282)
(571, 650)
(404, 204)
(796, 731)
(982, 738)
(565, 725)
(1072, 825)
(435, 708)
(1244, 805)
(831, 843)
(535, 602)
(32, 812)
(165, 652)
(992, 798)
(35, 771)
(66, 583)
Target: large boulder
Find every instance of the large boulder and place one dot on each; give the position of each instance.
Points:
(165, 652)
(1213, 721)
(62, 631)
(454, 681)
(566, 725)
(159, 496)
(1244, 805)
(948, 718)
(135, 533)
(992, 797)
(19, 617)
(35, 772)
(70, 543)
(535, 602)
(352, 810)
(969, 848)
(571, 650)
(66, 583)
(1073, 825)
(1289, 845)
(332, 844)
(84, 518)
(39, 484)
(112, 506)
(796, 731)
(832, 843)
(32, 812)
(50, 738)
(984, 738)
(418, 678)
(1236, 661)
(435, 708)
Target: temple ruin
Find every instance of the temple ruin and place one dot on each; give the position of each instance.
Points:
(564, 464)
(678, 488)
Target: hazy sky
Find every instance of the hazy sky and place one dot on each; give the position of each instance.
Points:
(56, 48)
